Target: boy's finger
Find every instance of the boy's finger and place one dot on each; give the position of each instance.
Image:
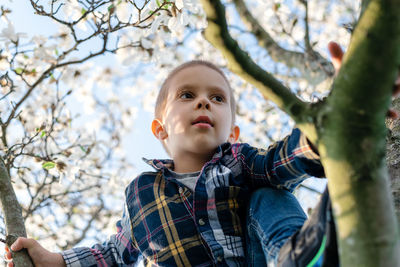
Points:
(7, 255)
(392, 114)
(336, 53)
(21, 243)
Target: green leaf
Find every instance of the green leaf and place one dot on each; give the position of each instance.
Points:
(167, 6)
(19, 71)
(43, 134)
(83, 11)
(48, 165)
(111, 7)
(158, 3)
(82, 148)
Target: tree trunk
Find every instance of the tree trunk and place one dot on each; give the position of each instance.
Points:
(352, 143)
(13, 217)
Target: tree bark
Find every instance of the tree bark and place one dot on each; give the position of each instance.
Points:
(13, 217)
(393, 156)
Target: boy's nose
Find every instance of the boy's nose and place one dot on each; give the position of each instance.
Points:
(203, 103)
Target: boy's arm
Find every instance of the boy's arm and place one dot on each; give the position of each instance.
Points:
(285, 164)
(118, 250)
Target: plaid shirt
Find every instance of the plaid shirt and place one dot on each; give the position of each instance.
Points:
(169, 225)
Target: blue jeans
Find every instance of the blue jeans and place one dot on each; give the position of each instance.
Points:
(273, 216)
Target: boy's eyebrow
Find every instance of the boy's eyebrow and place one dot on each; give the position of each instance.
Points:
(186, 87)
(191, 87)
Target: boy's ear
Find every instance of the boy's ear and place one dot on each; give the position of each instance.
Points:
(234, 136)
(158, 129)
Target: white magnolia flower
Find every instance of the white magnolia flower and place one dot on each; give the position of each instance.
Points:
(179, 4)
(73, 10)
(127, 56)
(8, 34)
(126, 13)
(146, 43)
(4, 65)
(172, 23)
(46, 54)
(65, 37)
(39, 39)
(69, 173)
(135, 35)
(160, 20)
(183, 18)
(152, 5)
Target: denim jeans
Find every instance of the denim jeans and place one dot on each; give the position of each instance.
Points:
(273, 216)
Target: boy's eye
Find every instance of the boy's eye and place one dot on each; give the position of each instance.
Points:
(186, 95)
(217, 98)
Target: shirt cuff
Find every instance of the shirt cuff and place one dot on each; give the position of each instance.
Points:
(72, 259)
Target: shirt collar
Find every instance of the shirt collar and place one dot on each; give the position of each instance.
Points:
(160, 164)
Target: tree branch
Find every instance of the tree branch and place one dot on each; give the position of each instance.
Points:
(311, 61)
(241, 64)
(13, 216)
(353, 140)
(364, 4)
(307, 30)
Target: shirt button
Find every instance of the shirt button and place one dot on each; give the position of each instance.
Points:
(180, 190)
(201, 222)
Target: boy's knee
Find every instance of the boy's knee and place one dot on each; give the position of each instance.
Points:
(269, 196)
(271, 204)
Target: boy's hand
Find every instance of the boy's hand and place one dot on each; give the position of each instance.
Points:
(41, 257)
(337, 54)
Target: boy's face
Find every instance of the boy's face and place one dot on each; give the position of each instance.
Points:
(197, 116)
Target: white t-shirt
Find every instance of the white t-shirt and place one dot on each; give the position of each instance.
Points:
(188, 179)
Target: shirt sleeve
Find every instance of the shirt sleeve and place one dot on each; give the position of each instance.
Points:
(285, 164)
(118, 250)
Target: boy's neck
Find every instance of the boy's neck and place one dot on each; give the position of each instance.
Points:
(189, 162)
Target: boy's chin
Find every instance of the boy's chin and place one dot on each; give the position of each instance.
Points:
(206, 149)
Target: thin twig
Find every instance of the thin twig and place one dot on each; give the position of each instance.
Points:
(307, 31)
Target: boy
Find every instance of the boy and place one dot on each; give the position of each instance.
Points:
(192, 210)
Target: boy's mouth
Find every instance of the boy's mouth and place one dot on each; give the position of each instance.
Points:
(203, 120)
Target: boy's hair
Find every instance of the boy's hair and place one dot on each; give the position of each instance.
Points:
(163, 93)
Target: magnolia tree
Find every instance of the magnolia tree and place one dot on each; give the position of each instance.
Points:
(67, 102)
